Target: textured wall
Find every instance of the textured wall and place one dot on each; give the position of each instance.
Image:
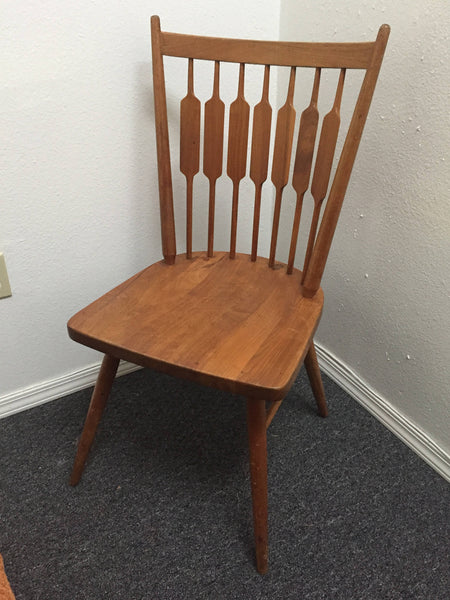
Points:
(79, 211)
(387, 282)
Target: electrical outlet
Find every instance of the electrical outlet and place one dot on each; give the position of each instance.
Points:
(5, 288)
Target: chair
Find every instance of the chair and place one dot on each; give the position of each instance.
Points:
(234, 321)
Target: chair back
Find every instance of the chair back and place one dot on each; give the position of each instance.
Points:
(305, 162)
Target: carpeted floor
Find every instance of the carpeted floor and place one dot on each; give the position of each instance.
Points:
(163, 510)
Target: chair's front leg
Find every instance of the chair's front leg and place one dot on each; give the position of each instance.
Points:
(98, 402)
(256, 423)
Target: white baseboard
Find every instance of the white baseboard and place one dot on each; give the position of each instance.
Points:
(55, 388)
(400, 425)
(380, 408)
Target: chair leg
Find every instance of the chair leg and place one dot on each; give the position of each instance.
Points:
(312, 368)
(98, 402)
(256, 423)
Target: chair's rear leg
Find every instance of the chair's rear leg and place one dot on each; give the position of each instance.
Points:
(312, 368)
(98, 402)
(256, 423)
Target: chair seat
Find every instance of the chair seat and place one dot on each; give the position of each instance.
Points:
(231, 323)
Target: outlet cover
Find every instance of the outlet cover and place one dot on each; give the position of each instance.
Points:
(5, 288)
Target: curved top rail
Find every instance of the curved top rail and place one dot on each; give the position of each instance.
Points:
(354, 55)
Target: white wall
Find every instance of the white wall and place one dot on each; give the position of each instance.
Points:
(387, 284)
(79, 210)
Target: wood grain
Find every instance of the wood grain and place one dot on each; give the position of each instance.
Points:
(259, 161)
(324, 163)
(169, 247)
(213, 149)
(237, 151)
(234, 324)
(99, 398)
(6, 592)
(256, 425)
(189, 148)
(303, 162)
(282, 158)
(313, 371)
(300, 54)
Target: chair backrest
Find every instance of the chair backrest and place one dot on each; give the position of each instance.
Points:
(366, 56)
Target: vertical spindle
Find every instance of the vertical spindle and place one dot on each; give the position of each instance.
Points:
(237, 151)
(213, 149)
(324, 162)
(262, 121)
(303, 161)
(189, 148)
(282, 158)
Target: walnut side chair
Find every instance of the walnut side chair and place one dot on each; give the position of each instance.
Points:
(237, 322)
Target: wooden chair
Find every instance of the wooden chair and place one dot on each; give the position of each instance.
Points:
(235, 321)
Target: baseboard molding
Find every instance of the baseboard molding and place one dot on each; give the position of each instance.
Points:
(380, 408)
(55, 388)
(349, 381)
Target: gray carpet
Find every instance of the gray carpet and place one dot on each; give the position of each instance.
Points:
(163, 509)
